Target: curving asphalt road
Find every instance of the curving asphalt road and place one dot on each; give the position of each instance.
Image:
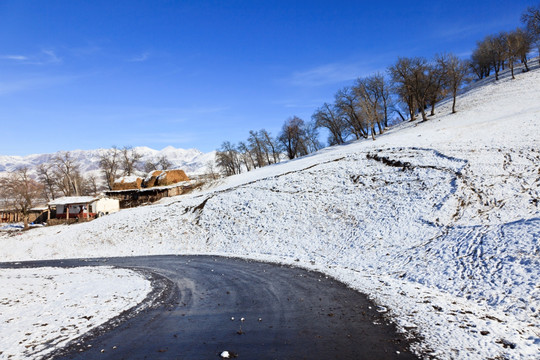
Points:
(288, 313)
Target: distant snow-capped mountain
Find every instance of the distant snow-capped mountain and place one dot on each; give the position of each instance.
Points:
(192, 161)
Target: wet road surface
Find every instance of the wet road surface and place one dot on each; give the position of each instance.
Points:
(288, 313)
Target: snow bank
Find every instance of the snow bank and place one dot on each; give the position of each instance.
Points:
(436, 221)
(42, 309)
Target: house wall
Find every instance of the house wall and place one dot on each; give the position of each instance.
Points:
(133, 198)
(73, 209)
(107, 206)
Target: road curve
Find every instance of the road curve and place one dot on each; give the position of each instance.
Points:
(288, 313)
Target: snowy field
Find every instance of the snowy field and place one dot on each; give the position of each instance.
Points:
(438, 222)
(42, 309)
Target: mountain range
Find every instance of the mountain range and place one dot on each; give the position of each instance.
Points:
(192, 161)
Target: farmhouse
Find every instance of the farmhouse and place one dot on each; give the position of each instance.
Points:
(81, 207)
(135, 191)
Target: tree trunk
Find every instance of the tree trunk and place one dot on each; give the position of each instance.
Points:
(364, 133)
(25, 222)
(380, 127)
(423, 111)
(400, 115)
(411, 113)
(385, 114)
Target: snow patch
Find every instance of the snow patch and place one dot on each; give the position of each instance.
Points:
(43, 309)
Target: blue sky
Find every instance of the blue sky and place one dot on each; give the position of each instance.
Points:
(192, 74)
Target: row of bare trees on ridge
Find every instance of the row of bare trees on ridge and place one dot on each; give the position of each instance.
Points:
(505, 49)
(359, 111)
(412, 86)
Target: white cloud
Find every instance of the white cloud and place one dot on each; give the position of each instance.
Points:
(332, 73)
(83, 51)
(326, 74)
(50, 57)
(12, 86)
(140, 58)
(46, 56)
(14, 57)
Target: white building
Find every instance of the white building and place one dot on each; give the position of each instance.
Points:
(70, 207)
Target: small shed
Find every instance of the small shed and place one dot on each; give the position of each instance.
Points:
(83, 207)
(9, 215)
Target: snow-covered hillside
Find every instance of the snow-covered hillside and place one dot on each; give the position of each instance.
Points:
(437, 221)
(192, 161)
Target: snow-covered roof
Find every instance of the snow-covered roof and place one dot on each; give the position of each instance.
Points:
(67, 200)
(127, 179)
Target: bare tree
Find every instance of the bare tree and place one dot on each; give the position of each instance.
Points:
(292, 137)
(481, 60)
(90, 186)
(271, 144)
(496, 45)
(455, 71)
(424, 78)
(45, 173)
(227, 159)
(130, 160)
(368, 99)
(438, 90)
(329, 117)
(150, 166)
(310, 140)
(518, 46)
(526, 43)
(402, 74)
(346, 102)
(164, 163)
(531, 19)
(246, 156)
(67, 174)
(372, 105)
(211, 172)
(381, 88)
(109, 162)
(20, 192)
(258, 148)
(161, 163)
(83, 184)
(512, 49)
